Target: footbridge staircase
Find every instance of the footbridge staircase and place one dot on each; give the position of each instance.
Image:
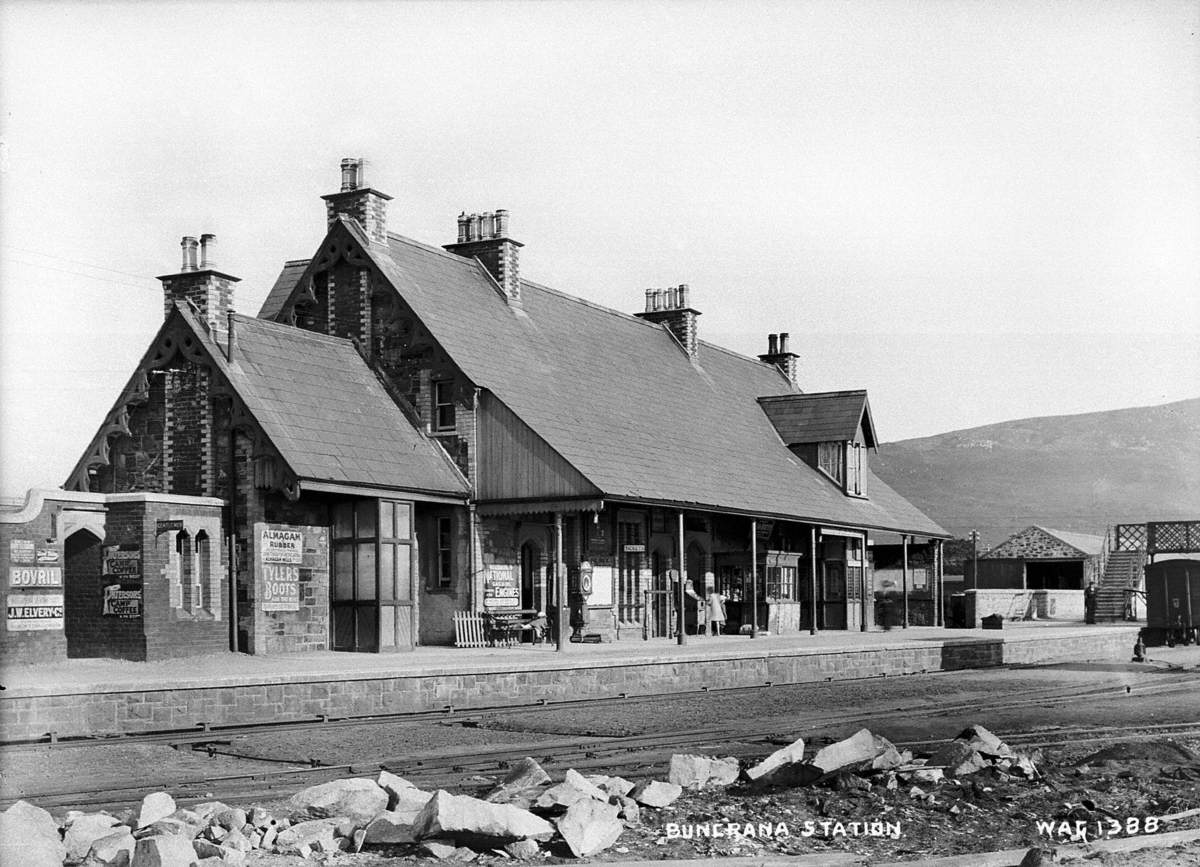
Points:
(1127, 549)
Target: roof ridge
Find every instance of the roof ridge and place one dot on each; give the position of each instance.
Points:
(293, 330)
(429, 248)
(287, 262)
(633, 316)
(844, 393)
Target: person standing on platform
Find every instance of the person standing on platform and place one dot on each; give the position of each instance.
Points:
(716, 613)
(1089, 603)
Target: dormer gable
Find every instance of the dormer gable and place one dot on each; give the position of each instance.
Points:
(829, 431)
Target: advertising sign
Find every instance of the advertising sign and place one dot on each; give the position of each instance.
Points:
(35, 611)
(35, 576)
(278, 555)
(123, 601)
(47, 555)
(500, 588)
(21, 550)
(123, 560)
(281, 546)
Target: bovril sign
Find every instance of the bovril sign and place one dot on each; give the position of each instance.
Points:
(20, 577)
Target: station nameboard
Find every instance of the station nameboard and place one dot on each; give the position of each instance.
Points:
(28, 612)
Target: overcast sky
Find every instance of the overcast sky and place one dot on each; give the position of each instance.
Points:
(977, 211)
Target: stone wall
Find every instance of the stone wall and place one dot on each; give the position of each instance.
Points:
(1030, 604)
(32, 716)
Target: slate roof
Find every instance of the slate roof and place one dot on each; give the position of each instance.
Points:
(820, 416)
(619, 400)
(1014, 546)
(1083, 542)
(328, 415)
(282, 288)
(322, 408)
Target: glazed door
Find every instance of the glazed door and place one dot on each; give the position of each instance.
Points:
(371, 587)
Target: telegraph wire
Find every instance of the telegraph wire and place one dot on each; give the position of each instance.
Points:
(82, 274)
(73, 261)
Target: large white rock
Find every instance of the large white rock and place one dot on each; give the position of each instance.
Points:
(574, 787)
(857, 749)
(168, 850)
(29, 837)
(85, 830)
(115, 850)
(303, 837)
(792, 754)
(590, 827)
(655, 793)
(400, 789)
(453, 815)
(390, 827)
(695, 772)
(155, 806)
(207, 849)
(959, 759)
(359, 799)
(525, 775)
(618, 786)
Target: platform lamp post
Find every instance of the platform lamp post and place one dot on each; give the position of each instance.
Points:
(974, 559)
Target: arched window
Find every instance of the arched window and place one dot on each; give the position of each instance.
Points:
(202, 595)
(181, 589)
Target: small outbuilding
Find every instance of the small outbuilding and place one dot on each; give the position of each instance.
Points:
(1037, 558)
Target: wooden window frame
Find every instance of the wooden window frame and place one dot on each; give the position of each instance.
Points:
(443, 399)
(444, 553)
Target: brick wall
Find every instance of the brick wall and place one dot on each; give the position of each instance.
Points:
(90, 632)
(136, 460)
(175, 622)
(40, 645)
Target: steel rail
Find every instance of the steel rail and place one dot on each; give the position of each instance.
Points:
(555, 754)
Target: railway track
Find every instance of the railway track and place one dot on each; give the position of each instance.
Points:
(631, 754)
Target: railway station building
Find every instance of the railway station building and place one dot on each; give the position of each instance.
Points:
(408, 435)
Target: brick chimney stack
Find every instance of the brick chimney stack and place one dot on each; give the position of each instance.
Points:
(209, 291)
(672, 307)
(359, 202)
(485, 236)
(781, 356)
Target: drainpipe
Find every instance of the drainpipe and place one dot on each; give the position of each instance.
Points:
(233, 600)
(904, 573)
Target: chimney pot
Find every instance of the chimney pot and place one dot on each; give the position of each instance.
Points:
(208, 243)
(463, 227)
(649, 300)
(189, 253)
(502, 223)
(783, 342)
(670, 299)
(682, 295)
(351, 174)
(488, 227)
(473, 228)
(772, 344)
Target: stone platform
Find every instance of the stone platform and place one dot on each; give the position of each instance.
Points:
(100, 697)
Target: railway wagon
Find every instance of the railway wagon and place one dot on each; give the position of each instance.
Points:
(1172, 602)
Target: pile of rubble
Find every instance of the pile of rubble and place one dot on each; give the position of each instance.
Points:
(520, 816)
(865, 759)
(525, 816)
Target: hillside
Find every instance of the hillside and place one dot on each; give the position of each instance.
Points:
(1074, 472)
